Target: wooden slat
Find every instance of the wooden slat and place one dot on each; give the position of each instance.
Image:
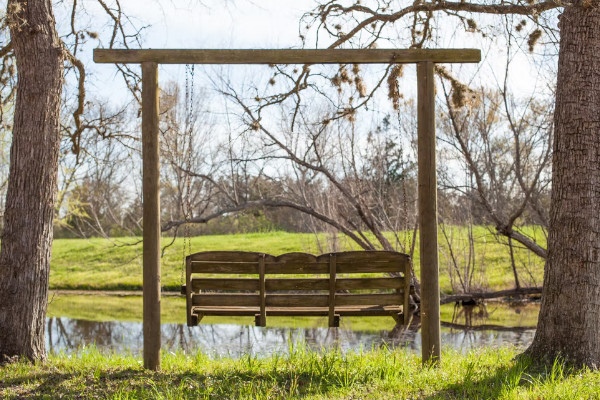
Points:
(224, 284)
(297, 284)
(225, 299)
(297, 263)
(369, 267)
(297, 267)
(297, 300)
(286, 56)
(369, 283)
(300, 311)
(230, 256)
(332, 276)
(376, 312)
(216, 267)
(252, 268)
(372, 261)
(293, 267)
(261, 271)
(366, 256)
(307, 300)
(296, 258)
(368, 299)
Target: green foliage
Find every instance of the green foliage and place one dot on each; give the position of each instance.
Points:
(376, 374)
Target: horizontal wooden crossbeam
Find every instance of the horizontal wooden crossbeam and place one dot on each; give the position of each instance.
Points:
(286, 56)
(274, 284)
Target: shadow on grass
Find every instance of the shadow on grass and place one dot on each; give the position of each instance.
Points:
(249, 380)
(76, 385)
(141, 384)
(504, 380)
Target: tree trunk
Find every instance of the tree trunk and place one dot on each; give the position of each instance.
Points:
(569, 322)
(32, 185)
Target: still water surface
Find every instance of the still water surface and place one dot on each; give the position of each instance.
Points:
(462, 328)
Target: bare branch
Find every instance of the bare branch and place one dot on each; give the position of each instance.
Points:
(333, 8)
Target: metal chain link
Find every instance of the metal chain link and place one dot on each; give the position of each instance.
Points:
(190, 158)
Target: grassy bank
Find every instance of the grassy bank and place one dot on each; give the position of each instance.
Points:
(377, 374)
(117, 265)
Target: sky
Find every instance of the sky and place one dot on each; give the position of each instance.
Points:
(255, 24)
(207, 24)
(222, 24)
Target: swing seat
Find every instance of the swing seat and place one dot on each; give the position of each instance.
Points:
(353, 283)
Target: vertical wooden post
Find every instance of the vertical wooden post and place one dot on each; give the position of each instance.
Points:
(406, 311)
(430, 286)
(263, 291)
(332, 279)
(191, 321)
(151, 222)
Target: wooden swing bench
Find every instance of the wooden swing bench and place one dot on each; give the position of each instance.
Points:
(331, 289)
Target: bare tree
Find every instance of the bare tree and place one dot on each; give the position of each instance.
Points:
(507, 174)
(27, 234)
(31, 194)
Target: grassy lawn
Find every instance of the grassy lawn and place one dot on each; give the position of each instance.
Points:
(376, 374)
(117, 265)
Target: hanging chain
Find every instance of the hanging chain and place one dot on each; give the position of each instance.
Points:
(187, 148)
(190, 145)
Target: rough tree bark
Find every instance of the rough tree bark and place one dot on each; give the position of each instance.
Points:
(32, 186)
(569, 323)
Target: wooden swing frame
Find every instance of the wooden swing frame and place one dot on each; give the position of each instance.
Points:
(331, 285)
(427, 177)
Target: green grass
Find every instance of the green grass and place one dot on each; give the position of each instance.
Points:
(101, 264)
(375, 374)
(117, 265)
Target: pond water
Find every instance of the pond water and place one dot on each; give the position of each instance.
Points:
(462, 328)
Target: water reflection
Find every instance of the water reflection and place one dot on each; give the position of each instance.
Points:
(465, 331)
(470, 328)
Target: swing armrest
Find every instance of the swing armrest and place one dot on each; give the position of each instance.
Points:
(183, 289)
